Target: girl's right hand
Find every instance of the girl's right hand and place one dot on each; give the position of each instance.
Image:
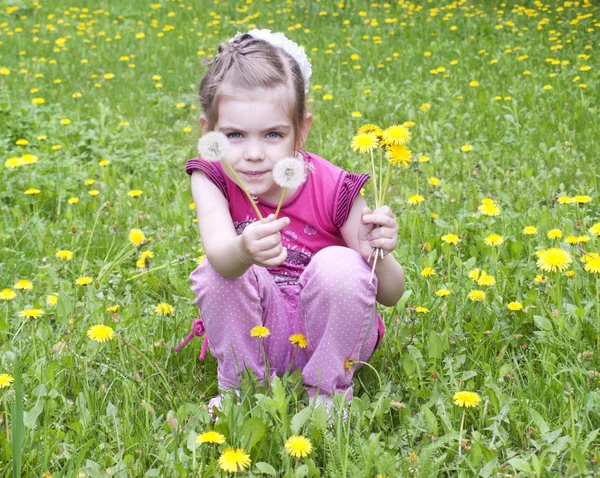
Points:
(261, 242)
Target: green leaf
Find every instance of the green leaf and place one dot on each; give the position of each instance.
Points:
(252, 431)
(302, 471)
(520, 465)
(265, 468)
(489, 468)
(539, 422)
(435, 345)
(543, 323)
(30, 417)
(299, 419)
(430, 420)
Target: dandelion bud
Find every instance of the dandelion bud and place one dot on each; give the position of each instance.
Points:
(212, 146)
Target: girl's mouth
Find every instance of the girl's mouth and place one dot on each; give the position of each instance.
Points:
(254, 175)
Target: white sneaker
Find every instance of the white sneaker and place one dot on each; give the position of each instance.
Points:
(327, 402)
(216, 404)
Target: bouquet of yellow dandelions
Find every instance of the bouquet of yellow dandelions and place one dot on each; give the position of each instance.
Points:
(391, 143)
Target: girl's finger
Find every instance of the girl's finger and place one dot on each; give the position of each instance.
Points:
(380, 220)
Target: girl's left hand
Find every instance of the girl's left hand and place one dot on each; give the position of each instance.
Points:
(383, 237)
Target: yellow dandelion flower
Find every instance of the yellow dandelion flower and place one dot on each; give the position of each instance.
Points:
(52, 300)
(583, 238)
(164, 309)
(565, 200)
(415, 199)
(489, 209)
(31, 313)
(476, 295)
(442, 292)
(260, 332)
(32, 191)
(100, 333)
(466, 399)
(83, 281)
(572, 240)
(434, 181)
(397, 134)
(582, 199)
(474, 83)
(425, 107)
(486, 280)
(298, 446)
(554, 234)
(371, 128)
(11, 163)
(73, 200)
(23, 284)
(93, 192)
(135, 193)
(6, 380)
(428, 272)
(113, 308)
(529, 230)
(494, 240)
(540, 279)
(554, 259)
(104, 163)
(514, 306)
(595, 230)
(474, 274)
(451, 239)
(7, 294)
(398, 154)
(136, 237)
(364, 142)
(210, 437)
(421, 310)
(64, 255)
(591, 262)
(299, 340)
(234, 460)
(465, 148)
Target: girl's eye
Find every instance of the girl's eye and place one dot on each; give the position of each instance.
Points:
(277, 135)
(230, 135)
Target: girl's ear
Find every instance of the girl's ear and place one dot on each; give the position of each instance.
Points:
(304, 129)
(203, 123)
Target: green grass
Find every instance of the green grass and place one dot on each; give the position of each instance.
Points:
(133, 407)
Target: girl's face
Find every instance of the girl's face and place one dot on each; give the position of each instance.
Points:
(260, 134)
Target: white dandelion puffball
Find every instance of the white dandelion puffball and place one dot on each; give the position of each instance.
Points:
(212, 146)
(289, 172)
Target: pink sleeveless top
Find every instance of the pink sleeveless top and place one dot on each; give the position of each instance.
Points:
(317, 210)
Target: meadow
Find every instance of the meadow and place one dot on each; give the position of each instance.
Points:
(499, 223)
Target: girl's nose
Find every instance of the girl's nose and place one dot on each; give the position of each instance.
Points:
(254, 151)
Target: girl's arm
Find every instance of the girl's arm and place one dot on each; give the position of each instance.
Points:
(390, 274)
(229, 254)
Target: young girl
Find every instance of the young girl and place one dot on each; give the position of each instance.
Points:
(304, 276)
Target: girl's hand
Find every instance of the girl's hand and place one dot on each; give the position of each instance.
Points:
(261, 242)
(384, 237)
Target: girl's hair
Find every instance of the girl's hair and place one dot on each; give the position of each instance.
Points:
(249, 63)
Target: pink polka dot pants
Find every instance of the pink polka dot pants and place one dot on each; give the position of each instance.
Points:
(332, 305)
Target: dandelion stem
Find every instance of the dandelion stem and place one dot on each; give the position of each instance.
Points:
(374, 181)
(87, 248)
(241, 183)
(386, 183)
(280, 202)
(462, 422)
(558, 303)
(381, 191)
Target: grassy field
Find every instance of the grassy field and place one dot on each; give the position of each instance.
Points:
(98, 115)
